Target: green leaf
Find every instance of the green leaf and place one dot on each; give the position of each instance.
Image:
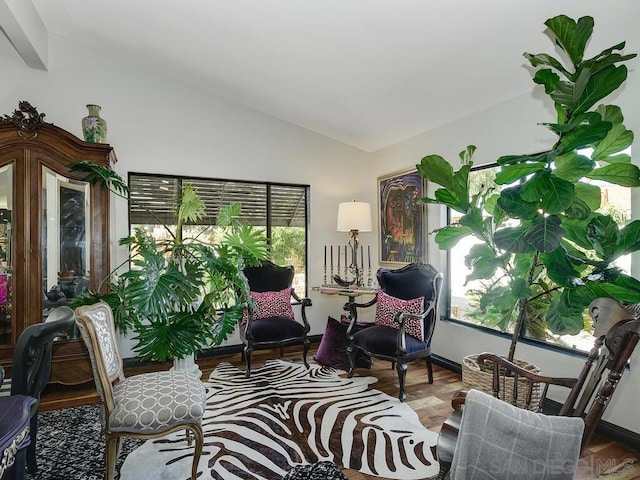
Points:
(460, 186)
(620, 158)
(618, 139)
(513, 205)
(585, 135)
(590, 193)
(628, 238)
(610, 113)
(512, 239)
(466, 155)
(513, 159)
(565, 317)
(103, 176)
(570, 35)
(437, 170)
(627, 175)
(448, 237)
(578, 209)
(553, 194)
(510, 173)
(572, 167)
(545, 235)
(545, 59)
(602, 231)
(482, 261)
(576, 229)
(520, 288)
(560, 269)
(547, 78)
(600, 85)
(190, 206)
(473, 219)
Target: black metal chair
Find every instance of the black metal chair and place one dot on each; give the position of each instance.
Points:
(273, 331)
(395, 344)
(30, 373)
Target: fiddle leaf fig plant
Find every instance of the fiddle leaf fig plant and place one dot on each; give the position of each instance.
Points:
(540, 232)
(180, 294)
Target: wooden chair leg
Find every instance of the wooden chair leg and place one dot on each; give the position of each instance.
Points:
(247, 359)
(402, 375)
(111, 456)
(305, 351)
(199, 438)
(429, 369)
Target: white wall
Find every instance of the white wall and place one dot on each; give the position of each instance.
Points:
(512, 128)
(158, 125)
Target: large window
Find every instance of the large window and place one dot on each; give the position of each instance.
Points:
(463, 296)
(279, 209)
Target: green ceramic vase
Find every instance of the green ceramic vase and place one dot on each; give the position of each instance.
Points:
(94, 127)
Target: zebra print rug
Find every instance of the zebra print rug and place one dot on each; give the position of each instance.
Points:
(285, 415)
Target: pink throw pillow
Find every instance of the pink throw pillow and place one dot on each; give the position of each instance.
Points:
(271, 304)
(387, 307)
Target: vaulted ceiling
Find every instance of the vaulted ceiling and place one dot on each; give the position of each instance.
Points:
(369, 73)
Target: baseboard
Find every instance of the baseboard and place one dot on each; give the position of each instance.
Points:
(447, 364)
(607, 429)
(212, 352)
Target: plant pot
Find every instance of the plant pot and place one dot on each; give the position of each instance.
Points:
(481, 378)
(186, 364)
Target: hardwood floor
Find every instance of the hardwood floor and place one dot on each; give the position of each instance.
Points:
(431, 402)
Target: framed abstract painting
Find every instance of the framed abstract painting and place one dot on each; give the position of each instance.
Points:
(402, 218)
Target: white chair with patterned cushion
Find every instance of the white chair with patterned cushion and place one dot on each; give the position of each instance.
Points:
(148, 405)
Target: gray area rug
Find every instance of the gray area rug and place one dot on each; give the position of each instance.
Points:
(286, 415)
(71, 445)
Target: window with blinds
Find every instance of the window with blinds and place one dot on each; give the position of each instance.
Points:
(281, 209)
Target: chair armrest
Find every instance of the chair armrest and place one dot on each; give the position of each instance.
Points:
(521, 372)
(304, 302)
(458, 399)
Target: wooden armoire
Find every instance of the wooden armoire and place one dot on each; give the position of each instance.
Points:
(54, 233)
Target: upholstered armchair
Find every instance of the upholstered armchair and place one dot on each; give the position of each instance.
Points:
(272, 323)
(147, 405)
(407, 307)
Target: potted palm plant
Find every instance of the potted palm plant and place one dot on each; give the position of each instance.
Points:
(180, 294)
(543, 243)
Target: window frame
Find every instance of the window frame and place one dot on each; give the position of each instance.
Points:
(269, 224)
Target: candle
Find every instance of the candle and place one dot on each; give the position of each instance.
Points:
(369, 254)
(325, 255)
(339, 258)
(345, 256)
(332, 255)
(362, 256)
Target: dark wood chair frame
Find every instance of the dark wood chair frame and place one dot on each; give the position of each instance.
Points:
(429, 316)
(616, 332)
(269, 277)
(30, 373)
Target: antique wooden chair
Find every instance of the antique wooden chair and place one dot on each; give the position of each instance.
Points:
(147, 405)
(616, 332)
(273, 324)
(406, 314)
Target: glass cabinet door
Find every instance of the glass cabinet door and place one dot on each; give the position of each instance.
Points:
(66, 239)
(6, 202)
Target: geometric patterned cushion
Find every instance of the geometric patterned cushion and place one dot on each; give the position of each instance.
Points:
(271, 304)
(157, 401)
(387, 307)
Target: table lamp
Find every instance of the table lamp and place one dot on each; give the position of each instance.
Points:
(354, 217)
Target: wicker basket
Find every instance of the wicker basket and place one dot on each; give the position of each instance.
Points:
(481, 378)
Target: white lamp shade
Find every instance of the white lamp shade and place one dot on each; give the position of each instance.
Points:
(354, 216)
